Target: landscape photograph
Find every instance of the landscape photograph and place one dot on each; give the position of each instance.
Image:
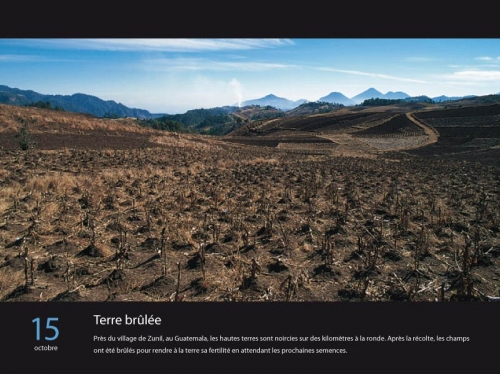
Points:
(250, 170)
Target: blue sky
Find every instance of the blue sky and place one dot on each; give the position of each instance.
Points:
(175, 75)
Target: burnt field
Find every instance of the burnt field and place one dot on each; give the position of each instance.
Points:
(464, 133)
(313, 123)
(270, 141)
(358, 131)
(193, 218)
(398, 125)
(165, 224)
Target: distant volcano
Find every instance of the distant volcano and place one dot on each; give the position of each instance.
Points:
(337, 98)
(275, 101)
(370, 93)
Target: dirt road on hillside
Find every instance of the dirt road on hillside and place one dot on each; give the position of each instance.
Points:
(429, 131)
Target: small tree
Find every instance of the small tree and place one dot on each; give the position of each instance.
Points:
(24, 138)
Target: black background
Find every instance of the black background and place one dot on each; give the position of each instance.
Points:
(256, 19)
(77, 326)
(479, 321)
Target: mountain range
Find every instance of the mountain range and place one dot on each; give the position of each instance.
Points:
(83, 103)
(332, 97)
(79, 103)
(340, 98)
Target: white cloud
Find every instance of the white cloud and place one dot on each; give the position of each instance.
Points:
(23, 58)
(32, 58)
(178, 64)
(375, 75)
(484, 58)
(16, 58)
(474, 75)
(162, 45)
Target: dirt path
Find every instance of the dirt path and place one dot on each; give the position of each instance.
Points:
(349, 144)
(429, 131)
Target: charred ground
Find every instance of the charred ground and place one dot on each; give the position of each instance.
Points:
(347, 205)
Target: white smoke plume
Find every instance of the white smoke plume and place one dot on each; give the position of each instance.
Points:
(236, 85)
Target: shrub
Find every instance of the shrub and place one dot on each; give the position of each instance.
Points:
(24, 138)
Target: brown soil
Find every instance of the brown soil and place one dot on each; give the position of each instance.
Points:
(172, 217)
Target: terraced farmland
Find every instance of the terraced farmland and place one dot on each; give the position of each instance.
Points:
(314, 123)
(463, 130)
(367, 129)
(275, 141)
(398, 125)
